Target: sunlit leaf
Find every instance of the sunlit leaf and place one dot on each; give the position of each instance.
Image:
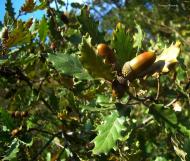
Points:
(123, 44)
(108, 133)
(138, 38)
(69, 65)
(164, 114)
(43, 29)
(11, 153)
(28, 6)
(19, 35)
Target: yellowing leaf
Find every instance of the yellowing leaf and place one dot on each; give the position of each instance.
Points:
(18, 35)
(165, 62)
(28, 6)
(169, 56)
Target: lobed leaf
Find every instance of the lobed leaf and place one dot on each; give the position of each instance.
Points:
(11, 153)
(165, 114)
(138, 38)
(92, 62)
(43, 29)
(88, 25)
(9, 8)
(69, 65)
(108, 133)
(18, 36)
(123, 45)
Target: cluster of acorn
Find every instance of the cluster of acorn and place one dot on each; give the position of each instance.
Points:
(130, 69)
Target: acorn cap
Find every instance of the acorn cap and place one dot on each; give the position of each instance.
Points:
(126, 70)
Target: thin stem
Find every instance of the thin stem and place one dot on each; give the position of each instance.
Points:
(41, 131)
(173, 101)
(158, 88)
(56, 5)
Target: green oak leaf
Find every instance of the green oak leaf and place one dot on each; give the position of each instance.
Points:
(123, 44)
(11, 153)
(9, 8)
(69, 65)
(108, 133)
(18, 36)
(166, 114)
(43, 29)
(92, 62)
(138, 38)
(88, 25)
(6, 119)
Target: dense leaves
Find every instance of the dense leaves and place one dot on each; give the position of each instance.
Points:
(61, 99)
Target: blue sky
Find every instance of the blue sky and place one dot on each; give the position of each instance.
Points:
(18, 3)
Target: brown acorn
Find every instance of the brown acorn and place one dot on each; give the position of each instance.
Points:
(104, 51)
(138, 64)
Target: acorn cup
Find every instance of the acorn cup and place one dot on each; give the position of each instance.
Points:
(134, 67)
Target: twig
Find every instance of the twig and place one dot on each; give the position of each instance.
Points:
(67, 5)
(56, 5)
(158, 88)
(173, 101)
(39, 130)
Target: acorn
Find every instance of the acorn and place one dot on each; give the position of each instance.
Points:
(132, 68)
(104, 51)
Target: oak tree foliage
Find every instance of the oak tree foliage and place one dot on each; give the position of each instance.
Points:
(60, 100)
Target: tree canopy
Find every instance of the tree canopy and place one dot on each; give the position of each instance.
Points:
(103, 80)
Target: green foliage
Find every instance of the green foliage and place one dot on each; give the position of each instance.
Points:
(9, 8)
(43, 29)
(92, 62)
(68, 65)
(88, 25)
(138, 38)
(164, 113)
(60, 100)
(18, 36)
(11, 153)
(108, 133)
(123, 45)
(5, 119)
